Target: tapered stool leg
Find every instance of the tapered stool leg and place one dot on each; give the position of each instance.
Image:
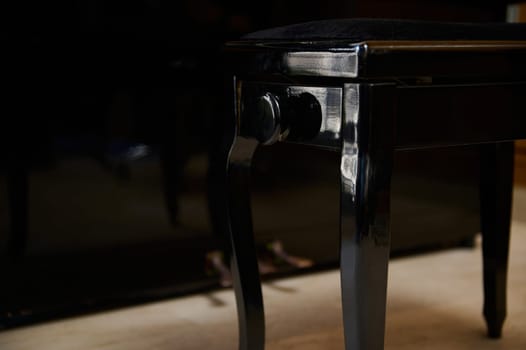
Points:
(245, 272)
(366, 165)
(495, 213)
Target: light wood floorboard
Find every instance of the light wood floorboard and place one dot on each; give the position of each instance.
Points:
(434, 302)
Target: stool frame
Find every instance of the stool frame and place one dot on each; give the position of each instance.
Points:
(375, 98)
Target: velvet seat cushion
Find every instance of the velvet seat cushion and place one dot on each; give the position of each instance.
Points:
(357, 30)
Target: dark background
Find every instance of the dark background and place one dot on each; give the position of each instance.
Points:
(112, 117)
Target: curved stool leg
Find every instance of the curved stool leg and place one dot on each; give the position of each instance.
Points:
(245, 272)
(366, 165)
(495, 214)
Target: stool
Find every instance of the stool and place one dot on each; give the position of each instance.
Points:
(367, 88)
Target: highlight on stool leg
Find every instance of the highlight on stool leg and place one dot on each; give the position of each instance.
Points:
(244, 265)
(495, 214)
(366, 165)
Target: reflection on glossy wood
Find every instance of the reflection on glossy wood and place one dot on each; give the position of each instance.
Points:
(245, 273)
(366, 169)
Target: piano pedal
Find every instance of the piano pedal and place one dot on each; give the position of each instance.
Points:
(270, 260)
(266, 267)
(280, 256)
(215, 265)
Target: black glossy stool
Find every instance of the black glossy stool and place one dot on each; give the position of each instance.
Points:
(368, 88)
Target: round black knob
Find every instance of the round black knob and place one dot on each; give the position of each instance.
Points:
(267, 117)
(303, 117)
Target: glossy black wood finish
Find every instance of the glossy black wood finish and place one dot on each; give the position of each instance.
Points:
(366, 167)
(396, 60)
(244, 264)
(111, 57)
(17, 193)
(465, 60)
(440, 108)
(495, 213)
(461, 113)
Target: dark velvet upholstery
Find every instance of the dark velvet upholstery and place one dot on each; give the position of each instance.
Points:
(385, 29)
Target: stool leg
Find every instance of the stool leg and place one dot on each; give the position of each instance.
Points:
(366, 167)
(245, 273)
(495, 213)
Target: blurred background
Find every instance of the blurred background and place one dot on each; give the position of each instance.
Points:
(111, 157)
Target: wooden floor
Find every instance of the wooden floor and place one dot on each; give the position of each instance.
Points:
(434, 302)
